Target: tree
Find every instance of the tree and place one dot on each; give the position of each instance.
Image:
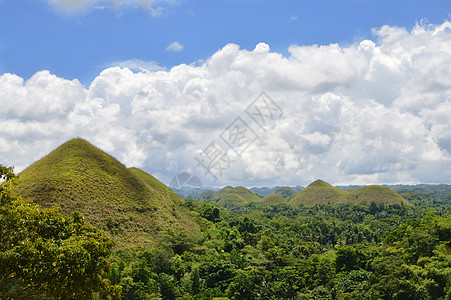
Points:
(350, 258)
(46, 254)
(247, 284)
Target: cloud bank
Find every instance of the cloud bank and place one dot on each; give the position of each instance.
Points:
(373, 112)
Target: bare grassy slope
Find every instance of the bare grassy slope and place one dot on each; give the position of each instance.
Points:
(130, 204)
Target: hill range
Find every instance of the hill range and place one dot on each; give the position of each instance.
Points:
(229, 196)
(318, 192)
(133, 206)
(136, 208)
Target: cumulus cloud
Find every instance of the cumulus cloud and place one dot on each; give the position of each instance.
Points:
(372, 112)
(174, 47)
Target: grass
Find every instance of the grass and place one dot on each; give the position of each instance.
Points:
(320, 192)
(273, 199)
(130, 204)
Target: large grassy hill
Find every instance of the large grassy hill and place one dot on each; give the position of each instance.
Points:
(320, 192)
(130, 204)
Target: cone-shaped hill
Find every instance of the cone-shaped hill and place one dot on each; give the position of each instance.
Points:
(320, 192)
(231, 197)
(129, 203)
(273, 199)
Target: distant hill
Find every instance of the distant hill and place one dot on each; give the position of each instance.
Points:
(230, 197)
(192, 193)
(207, 196)
(265, 191)
(273, 199)
(285, 192)
(320, 192)
(133, 206)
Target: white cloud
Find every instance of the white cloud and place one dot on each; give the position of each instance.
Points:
(137, 65)
(155, 7)
(261, 48)
(174, 47)
(373, 112)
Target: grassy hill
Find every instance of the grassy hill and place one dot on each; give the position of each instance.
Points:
(320, 192)
(231, 197)
(130, 204)
(207, 196)
(376, 193)
(265, 191)
(262, 191)
(273, 199)
(285, 192)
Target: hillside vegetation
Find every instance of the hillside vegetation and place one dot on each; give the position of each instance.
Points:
(320, 192)
(130, 204)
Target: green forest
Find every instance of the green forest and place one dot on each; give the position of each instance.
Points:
(255, 250)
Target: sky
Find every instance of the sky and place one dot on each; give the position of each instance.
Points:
(235, 92)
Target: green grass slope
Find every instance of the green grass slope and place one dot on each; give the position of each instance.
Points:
(232, 197)
(273, 199)
(207, 196)
(130, 204)
(320, 192)
(375, 193)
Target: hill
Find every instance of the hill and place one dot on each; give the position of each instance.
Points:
(320, 192)
(376, 193)
(230, 197)
(273, 199)
(207, 196)
(262, 191)
(133, 206)
(265, 191)
(285, 192)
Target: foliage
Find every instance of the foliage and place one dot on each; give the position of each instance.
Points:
(46, 254)
(346, 251)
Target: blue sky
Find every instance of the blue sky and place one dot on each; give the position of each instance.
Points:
(39, 35)
(364, 87)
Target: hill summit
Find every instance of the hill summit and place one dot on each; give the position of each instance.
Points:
(133, 206)
(321, 192)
